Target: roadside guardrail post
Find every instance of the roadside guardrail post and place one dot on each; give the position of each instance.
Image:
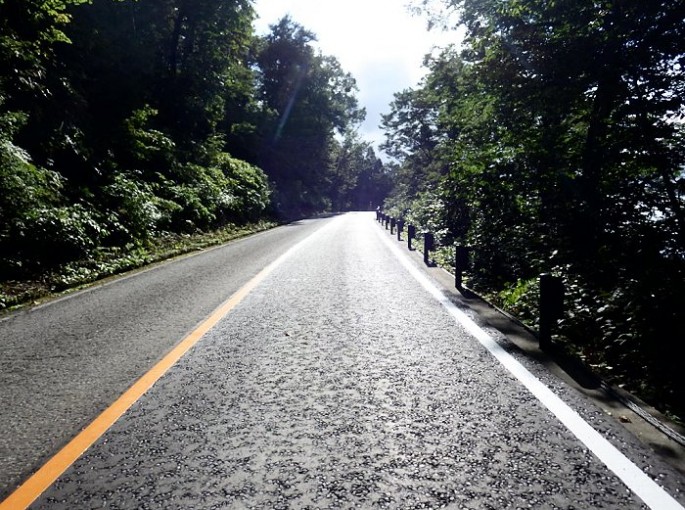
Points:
(400, 228)
(428, 246)
(551, 306)
(461, 264)
(392, 226)
(411, 234)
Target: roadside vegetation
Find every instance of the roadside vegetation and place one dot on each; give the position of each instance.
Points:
(107, 262)
(552, 141)
(131, 130)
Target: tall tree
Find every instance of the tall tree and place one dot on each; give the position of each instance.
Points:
(125, 103)
(564, 128)
(184, 62)
(588, 94)
(29, 32)
(358, 178)
(208, 46)
(307, 99)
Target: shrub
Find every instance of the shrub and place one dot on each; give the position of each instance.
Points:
(136, 211)
(248, 192)
(50, 236)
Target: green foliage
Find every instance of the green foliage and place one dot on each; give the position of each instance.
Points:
(250, 194)
(200, 192)
(33, 223)
(308, 99)
(521, 298)
(47, 237)
(136, 211)
(555, 141)
(29, 31)
(358, 180)
(24, 186)
(147, 146)
(122, 101)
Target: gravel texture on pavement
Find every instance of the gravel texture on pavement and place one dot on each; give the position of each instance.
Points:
(62, 363)
(340, 383)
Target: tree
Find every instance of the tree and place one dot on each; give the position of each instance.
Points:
(358, 179)
(206, 62)
(564, 128)
(39, 228)
(307, 99)
(29, 32)
(420, 131)
(184, 62)
(117, 120)
(587, 95)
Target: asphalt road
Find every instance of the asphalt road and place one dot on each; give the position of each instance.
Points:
(342, 380)
(63, 363)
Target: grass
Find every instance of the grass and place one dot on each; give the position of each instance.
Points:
(111, 261)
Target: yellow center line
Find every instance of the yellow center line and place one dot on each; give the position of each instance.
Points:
(42, 479)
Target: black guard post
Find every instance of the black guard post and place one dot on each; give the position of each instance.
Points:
(461, 264)
(411, 234)
(400, 228)
(428, 246)
(393, 221)
(551, 306)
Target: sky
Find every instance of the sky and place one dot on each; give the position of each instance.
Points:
(378, 41)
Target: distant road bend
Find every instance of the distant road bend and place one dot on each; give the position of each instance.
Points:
(316, 365)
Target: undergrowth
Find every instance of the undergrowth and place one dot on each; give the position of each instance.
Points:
(110, 261)
(521, 300)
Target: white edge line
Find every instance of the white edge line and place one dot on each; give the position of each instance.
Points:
(632, 476)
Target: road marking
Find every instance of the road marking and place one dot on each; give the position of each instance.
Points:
(42, 479)
(635, 479)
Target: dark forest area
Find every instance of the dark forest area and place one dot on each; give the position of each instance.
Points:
(552, 142)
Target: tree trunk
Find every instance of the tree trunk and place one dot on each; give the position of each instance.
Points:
(179, 21)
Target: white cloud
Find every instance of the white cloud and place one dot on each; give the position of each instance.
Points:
(378, 41)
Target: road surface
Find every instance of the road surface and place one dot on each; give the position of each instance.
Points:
(342, 378)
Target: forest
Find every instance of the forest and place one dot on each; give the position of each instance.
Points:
(129, 124)
(550, 141)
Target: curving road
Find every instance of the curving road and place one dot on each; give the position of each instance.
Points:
(343, 379)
